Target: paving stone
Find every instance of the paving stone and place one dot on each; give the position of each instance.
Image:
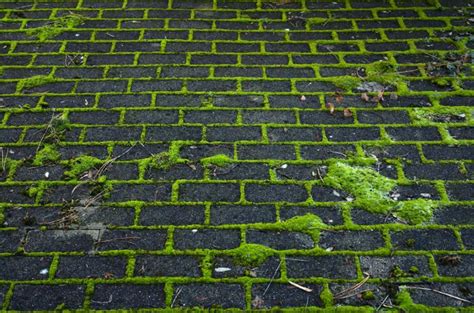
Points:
(280, 240)
(275, 192)
(47, 297)
(147, 239)
(351, 240)
(216, 239)
(228, 192)
(60, 240)
(209, 295)
(423, 296)
(329, 266)
(128, 296)
(454, 265)
(329, 215)
(91, 267)
(165, 265)
(172, 215)
(24, 267)
(424, 239)
(395, 266)
(284, 295)
(239, 214)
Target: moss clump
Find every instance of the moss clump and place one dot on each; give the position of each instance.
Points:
(416, 211)
(80, 165)
(405, 303)
(220, 160)
(56, 27)
(34, 81)
(385, 73)
(306, 223)
(368, 295)
(250, 254)
(369, 187)
(371, 191)
(439, 115)
(163, 160)
(347, 83)
(48, 154)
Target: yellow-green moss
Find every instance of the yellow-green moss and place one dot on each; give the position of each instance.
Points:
(307, 223)
(250, 254)
(416, 211)
(439, 114)
(371, 192)
(48, 154)
(34, 81)
(220, 160)
(386, 73)
(56, 27)
(347, 83)
(80, 165)
(369, 187)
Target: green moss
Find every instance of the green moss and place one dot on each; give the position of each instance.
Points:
(56, 27)
(368, 295)
(442, 81)
(416, 211)
(371, 192)
(369, 187)
(48, 154)
(250, 254)
(80, 165)
(220, 160)
(34, 81)
(414, 270)
(33, 191)
(439, 114)
(347, 83)
(163, 160)
(316, 21)
(405, 303)
(306, 223)
(386, 73)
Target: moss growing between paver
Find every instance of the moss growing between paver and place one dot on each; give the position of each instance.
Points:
(80, 165)
(346, 83)
(250, 255)
(220, 160)
(56, 27)
(371, 191)
(423, 116)
(309, 223)
(34, 81)
(48, 154)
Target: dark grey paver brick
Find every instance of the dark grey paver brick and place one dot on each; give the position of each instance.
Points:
(285, 295)
(228, 192)
(47, 297)
(60, 240)
(166, 265)
(217, 239)
(395, 266)
(91, 267)
(209, 295)
(172, 215)
(351, 240)
(119, 296)
(147, 239)
(239, 214)
(424, 239)
(329, 266)
(275, 192)
(24, 267)
(280, 240)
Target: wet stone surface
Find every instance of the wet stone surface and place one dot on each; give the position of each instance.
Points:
(205, 155)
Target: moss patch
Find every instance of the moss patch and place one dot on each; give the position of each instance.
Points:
(250, 254)
(346, 83)
(307, 223)
(34, 81)
(80, 165)
(56, 27)
(48, 154)
(371, 191)
(219, 160)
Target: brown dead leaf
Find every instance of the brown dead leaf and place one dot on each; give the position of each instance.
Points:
(331, 107)
(347, 112)
(364, 97)
(339, 97)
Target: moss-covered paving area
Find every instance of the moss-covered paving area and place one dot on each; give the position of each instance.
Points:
(229, 155)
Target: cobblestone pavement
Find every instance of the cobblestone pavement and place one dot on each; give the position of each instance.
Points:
(237, 155)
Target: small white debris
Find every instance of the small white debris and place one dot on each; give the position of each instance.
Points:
(284, 166)
(425, 195)
(77, 35)
(222, 269)
(330, 221)
(44, 271)
(194, 231)
(337, 194)
(46, 174)
(329, 249)
(349, 199)
(86, 102)
(303, 98)
(287, 29)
